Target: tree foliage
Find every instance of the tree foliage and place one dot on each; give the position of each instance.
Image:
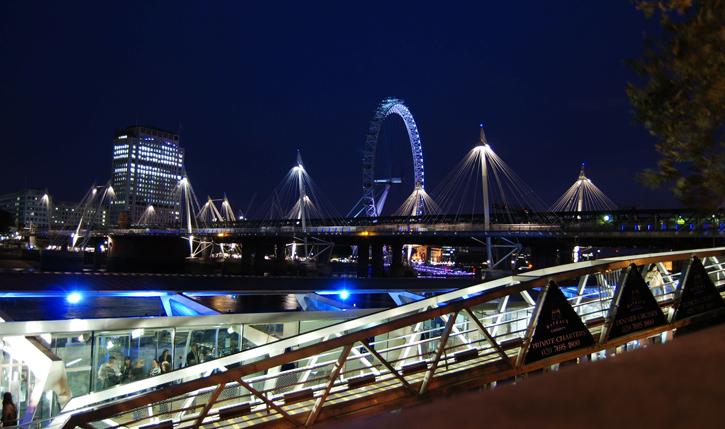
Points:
(682, 101)
(6, 221)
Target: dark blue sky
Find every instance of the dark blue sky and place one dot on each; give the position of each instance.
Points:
(253, 82)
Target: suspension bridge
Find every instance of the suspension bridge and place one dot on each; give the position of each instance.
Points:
(481, 203)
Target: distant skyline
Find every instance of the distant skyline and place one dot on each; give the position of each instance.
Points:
(246, 86)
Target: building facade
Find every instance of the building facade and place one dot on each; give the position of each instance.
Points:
(34, 210)
(147, 167)
(29, 208)
(65, 215)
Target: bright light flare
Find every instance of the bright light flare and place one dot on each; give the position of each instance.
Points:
(74, 298)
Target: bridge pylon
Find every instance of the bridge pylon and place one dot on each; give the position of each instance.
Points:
(583, 195)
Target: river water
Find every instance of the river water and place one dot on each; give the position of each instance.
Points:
(92, 307)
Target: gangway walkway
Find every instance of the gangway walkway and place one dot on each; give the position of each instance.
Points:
(461, 340)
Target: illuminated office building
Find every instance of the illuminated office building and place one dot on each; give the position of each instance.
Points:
(64, 215)
(147, 165)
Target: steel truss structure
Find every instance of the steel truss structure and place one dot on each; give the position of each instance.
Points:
(85, 219)
(389, 106)
(433, 347)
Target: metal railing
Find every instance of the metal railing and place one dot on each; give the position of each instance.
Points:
(453, 342)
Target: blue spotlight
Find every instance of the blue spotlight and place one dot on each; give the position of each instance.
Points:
(74, 297)
(344, 294)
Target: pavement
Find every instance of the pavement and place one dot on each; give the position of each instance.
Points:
(679, 384)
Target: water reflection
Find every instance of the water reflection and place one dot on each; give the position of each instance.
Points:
(287, 302)
(89, 307)
(250, 303)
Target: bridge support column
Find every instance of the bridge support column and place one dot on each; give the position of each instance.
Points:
(551, 255)
(377, 264)
(247, 258)
(259, 252)
(280, 262)
(396, 265)
(565, 255)
(363, 259)
(543, 256)
(207, 249)
(98, 256)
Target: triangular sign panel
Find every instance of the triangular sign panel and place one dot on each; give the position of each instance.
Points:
(633, 307)
(558, 328)
(696, 293)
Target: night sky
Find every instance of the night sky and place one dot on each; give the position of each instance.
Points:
(251, 83)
